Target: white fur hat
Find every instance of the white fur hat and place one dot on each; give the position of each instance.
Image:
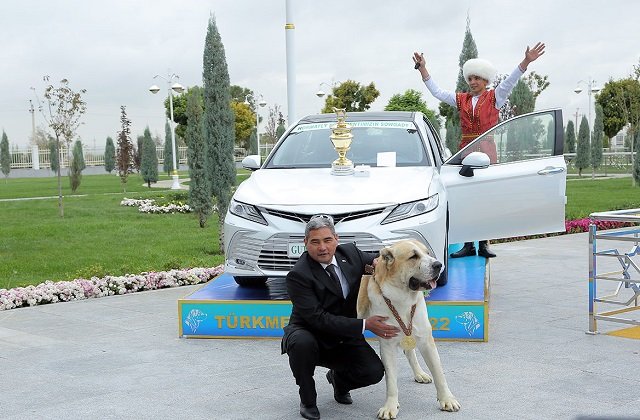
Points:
(479, 67)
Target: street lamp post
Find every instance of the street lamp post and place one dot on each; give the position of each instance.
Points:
(261, 102)
(591, 88)
(175, 87)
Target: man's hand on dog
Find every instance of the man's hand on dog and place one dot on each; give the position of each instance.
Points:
(376, 325)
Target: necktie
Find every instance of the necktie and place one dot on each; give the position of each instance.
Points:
(331, 270)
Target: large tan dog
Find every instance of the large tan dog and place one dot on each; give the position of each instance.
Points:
(403, 272)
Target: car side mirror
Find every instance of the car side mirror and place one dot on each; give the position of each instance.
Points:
(251, 162)
(474, 160)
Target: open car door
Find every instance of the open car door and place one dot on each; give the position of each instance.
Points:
(510, 181)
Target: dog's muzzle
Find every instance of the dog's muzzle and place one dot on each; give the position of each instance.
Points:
(417, 284)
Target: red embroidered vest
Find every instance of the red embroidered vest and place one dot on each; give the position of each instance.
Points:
(475, 122)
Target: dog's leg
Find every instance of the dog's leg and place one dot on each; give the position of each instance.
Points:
(388, 355)
(419, 375)
(430, 354)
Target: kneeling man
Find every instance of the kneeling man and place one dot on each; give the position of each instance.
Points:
(323, 329)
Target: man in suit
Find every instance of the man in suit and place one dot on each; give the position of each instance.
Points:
(323, 329)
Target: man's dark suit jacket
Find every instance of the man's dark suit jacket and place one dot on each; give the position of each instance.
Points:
(318, 303)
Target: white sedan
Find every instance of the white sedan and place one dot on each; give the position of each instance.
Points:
(406, 186)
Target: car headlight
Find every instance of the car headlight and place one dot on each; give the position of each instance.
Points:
(247, 211)
(411, 209)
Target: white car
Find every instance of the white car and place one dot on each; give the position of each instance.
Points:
(406, 186)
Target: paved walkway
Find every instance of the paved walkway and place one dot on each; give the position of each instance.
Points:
(120, 358)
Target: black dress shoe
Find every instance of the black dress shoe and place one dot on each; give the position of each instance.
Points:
(484, 251)
(468, 250)
(309, 411)
(341, 397)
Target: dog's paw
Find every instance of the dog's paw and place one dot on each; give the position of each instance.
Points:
(449, 403)
(388, 411)
(422, 378)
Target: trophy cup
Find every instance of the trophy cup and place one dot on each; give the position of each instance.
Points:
(341, 138)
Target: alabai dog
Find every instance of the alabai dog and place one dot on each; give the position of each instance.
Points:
(403, 272)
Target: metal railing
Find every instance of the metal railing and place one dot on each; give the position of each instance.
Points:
(626, 281)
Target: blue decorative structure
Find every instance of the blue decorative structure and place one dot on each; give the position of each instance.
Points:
(222, 309)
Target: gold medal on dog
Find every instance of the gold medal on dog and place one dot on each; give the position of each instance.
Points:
(408, 342)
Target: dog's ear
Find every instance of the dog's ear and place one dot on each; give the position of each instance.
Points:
(387, 255)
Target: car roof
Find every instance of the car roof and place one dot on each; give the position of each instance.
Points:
(361, 116)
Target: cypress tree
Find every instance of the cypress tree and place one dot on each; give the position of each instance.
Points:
(522, 99)
(109, 155)
(125, 148)
(199, 188)
(450, 113)
(168, 150)
(582, 153)
(149, 159)
(137, 153)
(5, 156)
(636, 169)
(218, 121)
(596, 141)
(253, 143)
(77, 163)
(570, 138)
(54, 159)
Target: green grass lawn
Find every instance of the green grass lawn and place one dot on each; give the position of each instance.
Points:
(98, 237)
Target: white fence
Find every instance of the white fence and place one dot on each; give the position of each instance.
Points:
(41, 158)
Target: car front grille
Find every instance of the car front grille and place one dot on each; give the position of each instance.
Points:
(271, 255)
(337, 218)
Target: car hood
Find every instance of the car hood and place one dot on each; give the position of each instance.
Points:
(293, 187)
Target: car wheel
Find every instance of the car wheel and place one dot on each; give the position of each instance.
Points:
(250, 281)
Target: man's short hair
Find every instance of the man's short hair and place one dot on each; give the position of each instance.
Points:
(319, 221)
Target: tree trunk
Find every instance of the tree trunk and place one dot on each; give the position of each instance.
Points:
(60, 205)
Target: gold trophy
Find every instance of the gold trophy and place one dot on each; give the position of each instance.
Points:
(341, 138)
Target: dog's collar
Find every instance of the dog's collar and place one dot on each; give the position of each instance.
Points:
(406, 330)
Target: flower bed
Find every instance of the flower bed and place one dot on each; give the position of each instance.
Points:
(79, 289)
(149, 206)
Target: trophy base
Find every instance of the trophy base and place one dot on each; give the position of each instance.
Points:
(341, 170)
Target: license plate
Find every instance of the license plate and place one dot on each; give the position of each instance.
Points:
(296, 249)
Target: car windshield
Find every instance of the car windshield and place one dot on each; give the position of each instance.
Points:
(375, 143)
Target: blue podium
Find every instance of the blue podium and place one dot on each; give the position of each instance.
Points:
(222, 309)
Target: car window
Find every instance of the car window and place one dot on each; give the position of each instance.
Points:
(309, 145)
(522, 138)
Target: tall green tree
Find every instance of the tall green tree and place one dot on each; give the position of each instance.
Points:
(125, 148)
(582, 153)
(620, 101)
(351, 96)
(168, 149)
(5, 156)
(54, 157)
(253, 143)
(137, 153)
(522, 99)
(64, 110)
(149, 159)
(596, 141)
(636, 169)
(411, 100)
(76, 167)
(451, 136)
(109, 155)
(218, 121)
(570, 138)
(245, 121)
(450, 113)
(199, 187)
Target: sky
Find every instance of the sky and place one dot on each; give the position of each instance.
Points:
(113, 49)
